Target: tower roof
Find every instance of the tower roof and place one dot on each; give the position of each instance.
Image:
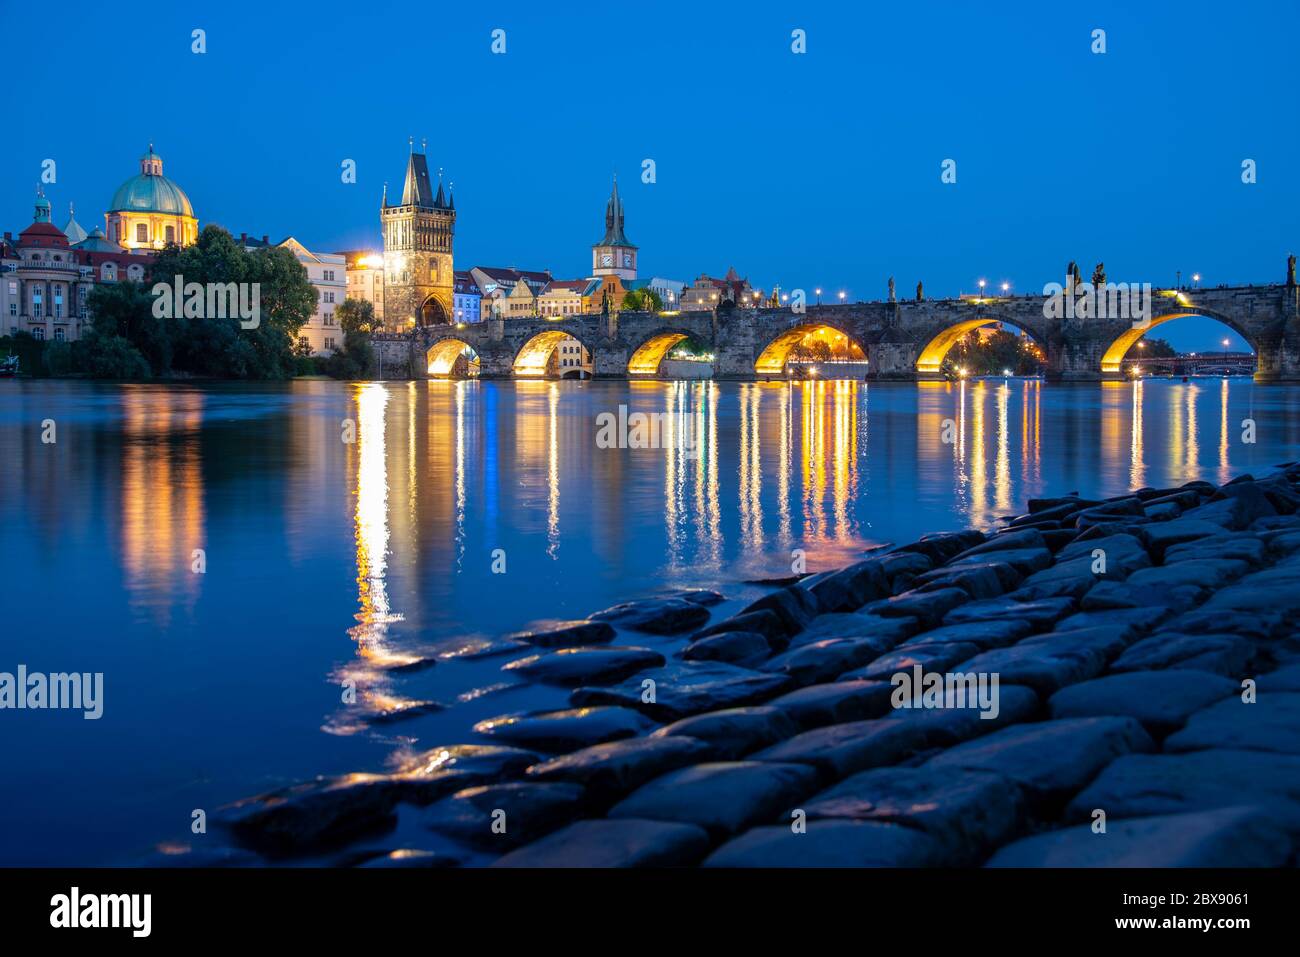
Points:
(73, 230)
(418, 190)
(614, 235)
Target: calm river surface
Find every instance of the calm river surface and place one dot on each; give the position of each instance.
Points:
(327, 560)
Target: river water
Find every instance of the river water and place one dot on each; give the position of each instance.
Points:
(229, 556)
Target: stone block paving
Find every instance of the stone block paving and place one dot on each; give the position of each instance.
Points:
(1147, 656)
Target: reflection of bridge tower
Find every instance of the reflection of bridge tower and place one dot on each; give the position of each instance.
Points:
(418, 236)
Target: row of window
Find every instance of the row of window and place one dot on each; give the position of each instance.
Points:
(142, 233)
(39, 333)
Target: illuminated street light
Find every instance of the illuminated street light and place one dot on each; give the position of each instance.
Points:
(1005, 287)
(981, 288)
(818, 290)
(1196, 278)
(842, 294)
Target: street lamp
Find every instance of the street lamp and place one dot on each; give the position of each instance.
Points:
(842, 296)
(1196, 279)
(1005, 287)
(818, 290)
(981, 288)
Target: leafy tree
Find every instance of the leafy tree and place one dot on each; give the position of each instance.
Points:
(356, 360)
(125, 309)
(1153, 349)
(642, 300)
(109, 356)
(357, 315)
(221, 347)
(994, 354)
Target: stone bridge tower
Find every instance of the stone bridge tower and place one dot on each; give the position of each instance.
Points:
(418, 234)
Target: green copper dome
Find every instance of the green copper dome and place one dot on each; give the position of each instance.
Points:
(151, 191)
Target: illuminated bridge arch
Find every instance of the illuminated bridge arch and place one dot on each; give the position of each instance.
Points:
(646, 357)
(442, 359)
(777, 353)
(533, 357)
(1112, 360)
(930, 361)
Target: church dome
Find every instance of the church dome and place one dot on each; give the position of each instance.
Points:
(151, 191)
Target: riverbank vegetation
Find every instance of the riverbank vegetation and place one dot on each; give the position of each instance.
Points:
(127, 339)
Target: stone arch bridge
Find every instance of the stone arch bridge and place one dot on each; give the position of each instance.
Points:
(902, 340)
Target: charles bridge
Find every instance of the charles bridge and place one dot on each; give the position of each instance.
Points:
(905, 339)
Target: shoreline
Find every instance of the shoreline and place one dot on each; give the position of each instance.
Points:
(1124, 635)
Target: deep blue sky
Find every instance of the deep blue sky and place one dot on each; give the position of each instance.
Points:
(814, 169)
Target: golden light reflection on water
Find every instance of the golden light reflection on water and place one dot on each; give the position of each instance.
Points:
(162, 497)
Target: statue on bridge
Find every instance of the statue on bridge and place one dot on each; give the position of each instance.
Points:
(891, 289)
(1099, 275)
(1290, 270)
(920, 293)
(1071, 272)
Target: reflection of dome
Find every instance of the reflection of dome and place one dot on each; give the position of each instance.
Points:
(151, 191)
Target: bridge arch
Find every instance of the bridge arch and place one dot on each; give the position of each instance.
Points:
(533, 357)
(1112, 359)
(433, 313)
(937, 345)
(775, 355)
(654, 347)
(442, 358)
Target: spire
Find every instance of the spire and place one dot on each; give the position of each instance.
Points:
(384, 201)
(614, 235)
(440, 201)
(451, 195)
(73, 230)
(416, 191)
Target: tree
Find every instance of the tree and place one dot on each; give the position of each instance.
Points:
(357, 315)
(222, 346)
(108, 356)
(642, 300)
(1156, 349)
(125, 310)
(356, 360)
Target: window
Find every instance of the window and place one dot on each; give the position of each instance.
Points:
(109, 271)
(39, 334)
(329, 319)
(141, 233)
(13, 288)
(13, 308)
(329, 343)
(58, 334)
(171, 234)
(303, 343)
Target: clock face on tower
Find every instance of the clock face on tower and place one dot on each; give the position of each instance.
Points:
(607, 260)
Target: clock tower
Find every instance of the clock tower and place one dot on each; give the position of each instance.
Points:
(613, 255)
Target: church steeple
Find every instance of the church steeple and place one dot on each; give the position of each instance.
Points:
(614, 235)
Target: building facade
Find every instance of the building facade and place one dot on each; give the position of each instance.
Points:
(320, 334)
(466, 299)
(709, 293)
(365, 279)
(418, 251)
(45, 280)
